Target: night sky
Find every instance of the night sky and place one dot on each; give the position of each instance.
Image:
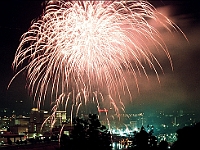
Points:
(178, 88)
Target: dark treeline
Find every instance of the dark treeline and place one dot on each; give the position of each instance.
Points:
(89, 134)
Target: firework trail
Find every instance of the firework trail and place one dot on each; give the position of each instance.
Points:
(79, 50)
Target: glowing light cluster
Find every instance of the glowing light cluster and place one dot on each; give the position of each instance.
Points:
(79, 50)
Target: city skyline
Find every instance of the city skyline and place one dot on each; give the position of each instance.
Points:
(177, 88)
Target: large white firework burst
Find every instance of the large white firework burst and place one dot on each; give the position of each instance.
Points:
(79, 50)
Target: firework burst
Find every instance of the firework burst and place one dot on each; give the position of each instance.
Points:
(79, 50)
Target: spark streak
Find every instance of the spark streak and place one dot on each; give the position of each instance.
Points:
(79, 50)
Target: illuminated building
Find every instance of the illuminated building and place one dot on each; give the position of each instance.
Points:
(36, 120)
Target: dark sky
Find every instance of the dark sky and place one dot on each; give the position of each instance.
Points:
(178, 89)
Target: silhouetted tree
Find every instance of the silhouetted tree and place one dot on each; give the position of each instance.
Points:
(163, 145)
(88, 134)
(141, 139)
(187, 138)
(65, 142)
(144, 140)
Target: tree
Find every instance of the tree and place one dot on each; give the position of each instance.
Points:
(187, 138)
(89, 134)
(144, 140)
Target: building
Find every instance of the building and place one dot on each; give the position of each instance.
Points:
(61, 118)
(21, 125)
(37, 119)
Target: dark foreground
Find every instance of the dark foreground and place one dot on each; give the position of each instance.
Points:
(38, 146)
